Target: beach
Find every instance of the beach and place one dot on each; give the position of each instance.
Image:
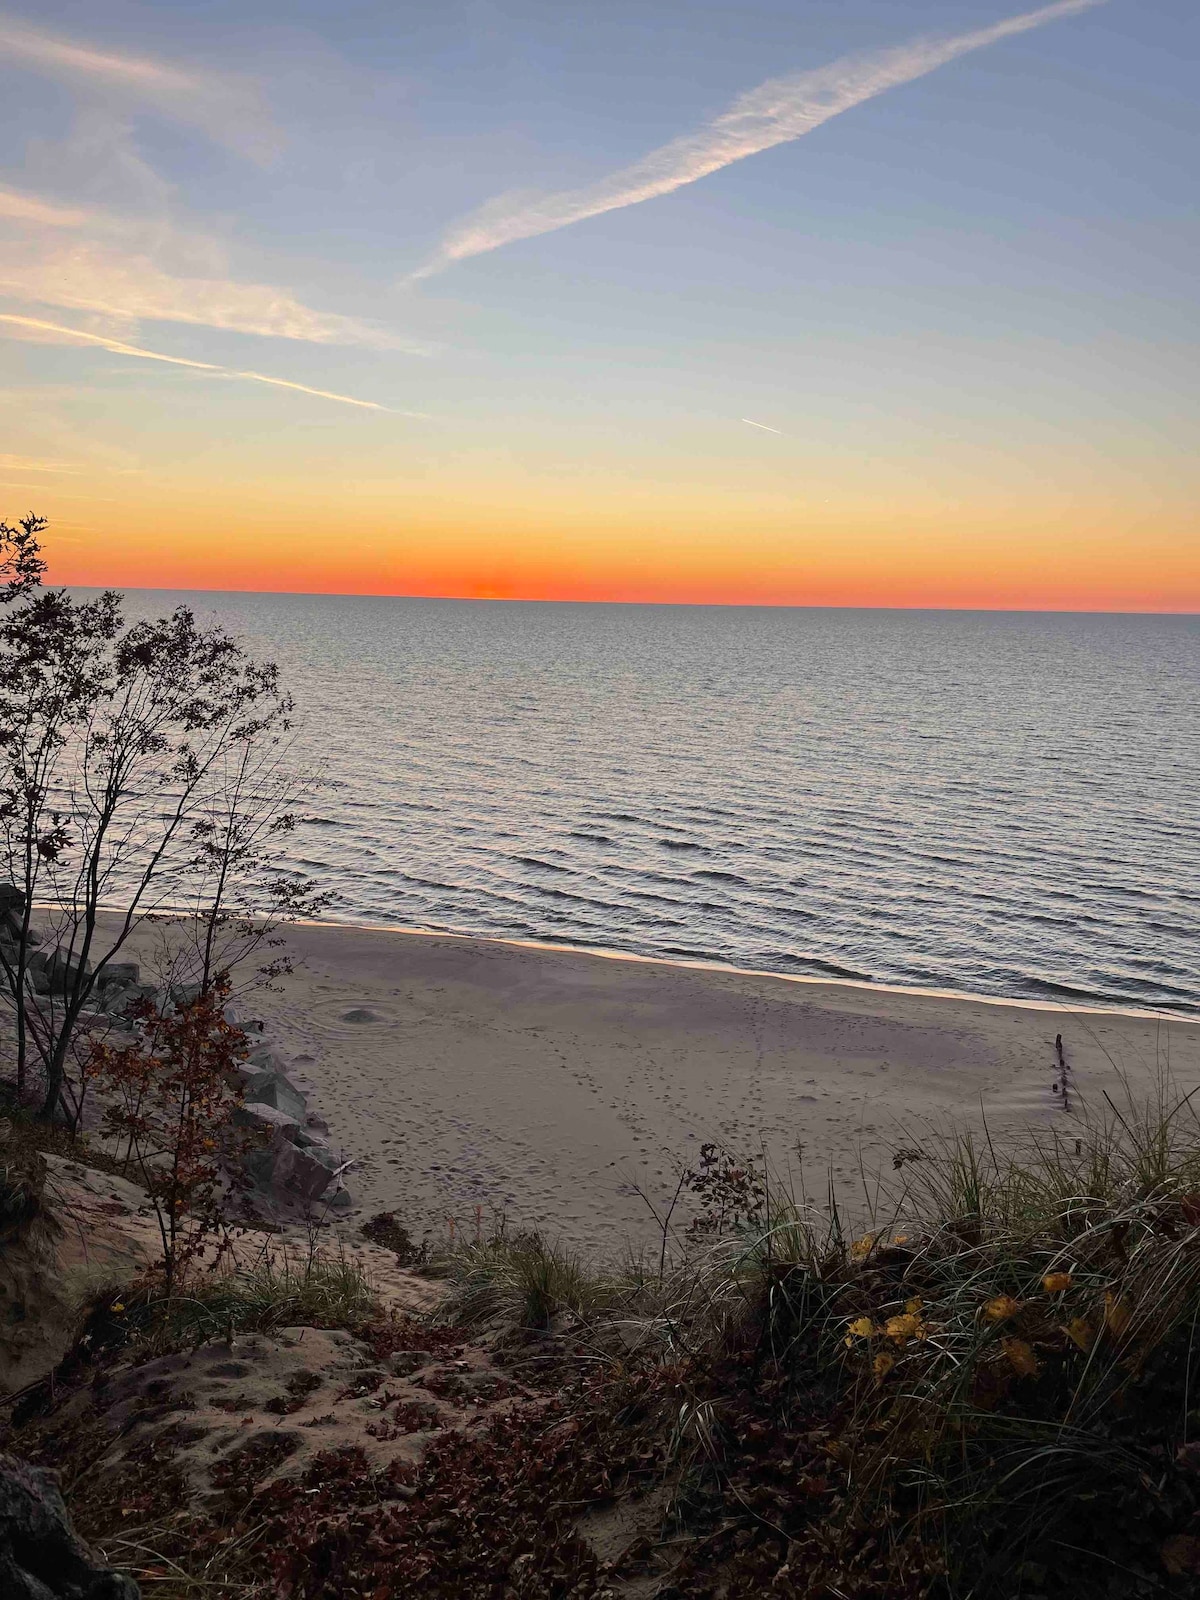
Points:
(472, 1078)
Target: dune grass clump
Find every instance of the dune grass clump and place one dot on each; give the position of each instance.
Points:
(522, 1278)
(281, 1289)
(993, 1392)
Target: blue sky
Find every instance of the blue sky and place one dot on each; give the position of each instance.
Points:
(971, 290)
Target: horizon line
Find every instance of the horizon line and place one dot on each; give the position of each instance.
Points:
(698, 605)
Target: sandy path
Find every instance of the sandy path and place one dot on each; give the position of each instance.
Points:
(545, 1083)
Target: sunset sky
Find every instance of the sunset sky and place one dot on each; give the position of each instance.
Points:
(835, 302)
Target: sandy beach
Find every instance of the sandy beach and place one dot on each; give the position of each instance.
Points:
(550, 1085)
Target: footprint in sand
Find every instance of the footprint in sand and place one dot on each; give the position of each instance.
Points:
(361, 1014)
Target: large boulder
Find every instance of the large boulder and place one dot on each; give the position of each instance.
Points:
(120, 972)
(119, 999)
(313, 1172)
(266, 1058)
(273, 1089)
(41, 1556)
(266, 1120)
(288, 1163)
(62, 973)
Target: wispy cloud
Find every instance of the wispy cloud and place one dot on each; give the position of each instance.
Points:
(227, 107)
(98, 268)
(776, 112)
(10, 463)
(37, 326)
(29, 208)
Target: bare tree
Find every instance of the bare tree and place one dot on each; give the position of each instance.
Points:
(143, 771)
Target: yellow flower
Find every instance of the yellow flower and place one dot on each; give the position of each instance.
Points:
(1001, 1308)
(1116, 1314)
(1021, 1357)
(1057, 1282)
(901, 1329)
(914, 1305)
(117, 1305)
(861, 1248)
(883, 1364)
(1081, 1333)
(861, 1328)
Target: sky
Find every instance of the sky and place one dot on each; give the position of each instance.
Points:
(800, 302)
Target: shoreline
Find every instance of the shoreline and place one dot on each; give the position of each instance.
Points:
(698, 964)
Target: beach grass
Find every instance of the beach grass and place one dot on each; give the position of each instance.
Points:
(992, 1390)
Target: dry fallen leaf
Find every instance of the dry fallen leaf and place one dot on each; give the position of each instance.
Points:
(1001, 1308)
(1080, 1332)
(901, 1329)
(1021, 1357)
(1057, 1282)
(860, 1328)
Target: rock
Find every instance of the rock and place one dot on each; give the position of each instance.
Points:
(290, 1173)
(120, 972)
(114, 1000)
(183, 994)
(266, 1058)
(41, 1557)
(268, 1166)
(264, 1119)
(62, 973)
(11, 899)
(312, 1172)
(273, 1089)
(140, 991)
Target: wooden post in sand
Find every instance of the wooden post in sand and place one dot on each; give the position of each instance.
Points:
(1063, 1072)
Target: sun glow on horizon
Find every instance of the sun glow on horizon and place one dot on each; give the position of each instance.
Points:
(1074, 558)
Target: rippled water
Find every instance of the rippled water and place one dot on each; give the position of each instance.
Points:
(1006, 804)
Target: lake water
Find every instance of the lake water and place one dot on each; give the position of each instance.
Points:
(1007, 804)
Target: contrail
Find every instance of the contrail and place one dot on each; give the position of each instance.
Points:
(120, 349)
(776, 112)
(762, 425)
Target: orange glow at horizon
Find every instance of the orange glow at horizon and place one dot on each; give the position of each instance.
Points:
(1079, 560)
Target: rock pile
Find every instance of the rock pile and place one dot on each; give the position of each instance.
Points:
(294, 1164)
(295, 1159)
